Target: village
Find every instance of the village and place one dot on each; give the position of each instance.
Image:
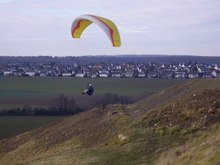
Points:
(114, 70)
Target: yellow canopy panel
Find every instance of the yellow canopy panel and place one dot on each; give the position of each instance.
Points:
(110, 29)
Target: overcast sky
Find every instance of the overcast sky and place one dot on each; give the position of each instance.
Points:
(170, 27)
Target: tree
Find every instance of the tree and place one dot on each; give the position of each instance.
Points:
(109, 98)
(64, 106)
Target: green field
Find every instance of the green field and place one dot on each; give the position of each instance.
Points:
(37, 92)
(14, 125)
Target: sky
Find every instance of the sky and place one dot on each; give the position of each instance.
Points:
(167, 27)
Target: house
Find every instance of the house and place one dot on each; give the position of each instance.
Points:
(201, 69)
(141, 74)
(152, 74)
(7, 73)
(167, 74)
(216, 73)
(30, 73)
(18, 73)
(94, 75)
(42, 73)
(216, 67)
(207, 75)
(193, 75)
(52, 73)
(129, 73)
(80, 74)
(67, 74)
(116, 74)
(180, 74)
(104, 73)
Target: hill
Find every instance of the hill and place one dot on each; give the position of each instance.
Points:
(179, 125)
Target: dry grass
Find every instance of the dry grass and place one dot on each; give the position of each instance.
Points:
(203, 150)
(81, 132)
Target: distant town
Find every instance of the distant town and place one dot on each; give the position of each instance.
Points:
(109, 68)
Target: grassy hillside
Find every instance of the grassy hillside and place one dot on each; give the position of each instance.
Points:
(177, 126)
(178, 91)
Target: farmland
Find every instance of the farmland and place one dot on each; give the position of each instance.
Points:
(13, 125)
(37, 92)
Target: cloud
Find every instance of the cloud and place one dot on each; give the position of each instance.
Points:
(151, 26)
(133, 29)
(6, 1)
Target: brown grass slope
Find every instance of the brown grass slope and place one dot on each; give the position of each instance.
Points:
(166, 128)
(177, 91)
(193, 123)
(83, 131)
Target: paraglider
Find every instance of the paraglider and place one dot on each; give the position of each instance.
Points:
(89, 91)
(83, 21)
(110, 29)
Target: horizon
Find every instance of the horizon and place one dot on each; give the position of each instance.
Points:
(118, 55)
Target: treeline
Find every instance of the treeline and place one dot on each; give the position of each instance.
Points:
(109, 59)
(59, 106)
(64, 106)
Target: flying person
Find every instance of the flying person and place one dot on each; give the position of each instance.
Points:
(89, 91)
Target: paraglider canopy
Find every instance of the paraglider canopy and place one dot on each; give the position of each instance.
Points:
(110, 29)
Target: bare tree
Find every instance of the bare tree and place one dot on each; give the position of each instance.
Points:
(64, 106)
